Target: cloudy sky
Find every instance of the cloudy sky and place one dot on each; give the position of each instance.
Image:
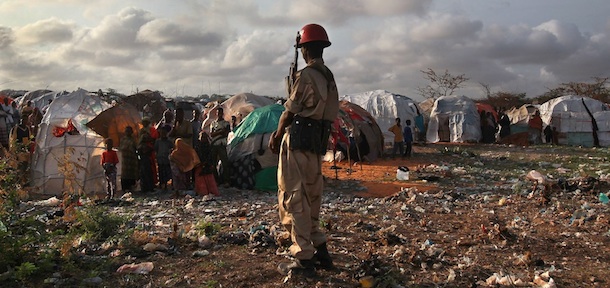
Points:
(193, 47)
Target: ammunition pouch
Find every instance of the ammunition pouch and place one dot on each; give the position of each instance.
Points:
(307, 134)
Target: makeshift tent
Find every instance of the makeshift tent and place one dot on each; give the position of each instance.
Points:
(385, 107)
(239, 105)
(359, 132)
(111, 123)
(454, 119)
(254, 165)
(32, 96)
(484, 107)
(576, 120)
(150, 104)
(520, 116)
(63, 132)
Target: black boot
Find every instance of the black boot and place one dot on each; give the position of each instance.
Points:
(298, 267)
(322, 257)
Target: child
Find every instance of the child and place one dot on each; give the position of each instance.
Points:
(408, 137)
(183, 159)
(164, 146)
(109, 161)
(205, 183)
(398, 139)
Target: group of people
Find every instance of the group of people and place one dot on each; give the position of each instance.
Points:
(175, 151)
(403, 138)
(15, 123)
(535, 131)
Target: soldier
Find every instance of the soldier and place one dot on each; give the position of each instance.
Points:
(299, 139)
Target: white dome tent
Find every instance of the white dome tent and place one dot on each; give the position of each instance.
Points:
(575, 118)
(385, 107)
(84, 145)
(454, 119)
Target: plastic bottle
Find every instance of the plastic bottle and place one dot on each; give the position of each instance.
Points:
(603, 198)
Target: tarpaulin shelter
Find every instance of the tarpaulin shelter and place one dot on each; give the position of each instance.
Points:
(32, 96)
(454, 119)
(111, 123)
(238, 105)
(359, 132)
(579, 120)
(150, 104)
(519, 117)
(484, 107)
(63, 132)
(254, 165)
(385, 107)
(2, 97)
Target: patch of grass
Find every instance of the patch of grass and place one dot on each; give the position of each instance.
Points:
(210, 284)
(96, 223)
(24, 271)
(208, 228)
(220, 263)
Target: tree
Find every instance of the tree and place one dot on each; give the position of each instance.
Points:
(597, 90)
(440, 85)
(505, 100)
(502, 100)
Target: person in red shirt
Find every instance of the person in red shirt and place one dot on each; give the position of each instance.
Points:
(109, 161)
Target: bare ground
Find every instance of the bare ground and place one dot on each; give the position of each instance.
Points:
(466, 214)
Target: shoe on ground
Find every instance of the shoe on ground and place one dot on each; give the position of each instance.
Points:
(322, 258)
(297, 267)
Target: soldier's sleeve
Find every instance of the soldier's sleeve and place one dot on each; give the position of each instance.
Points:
(294, 103)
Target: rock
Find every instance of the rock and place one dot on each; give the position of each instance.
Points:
(201, 253)
(204, 242)
(151, 247)
(93, 281)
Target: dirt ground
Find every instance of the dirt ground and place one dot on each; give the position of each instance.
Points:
(466, 218)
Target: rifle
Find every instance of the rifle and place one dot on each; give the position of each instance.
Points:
(293, 66)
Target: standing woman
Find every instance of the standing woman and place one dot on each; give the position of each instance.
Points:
(129, 160)
(145, 155)
(4, 128)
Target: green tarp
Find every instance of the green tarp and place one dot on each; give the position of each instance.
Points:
(266, 179)
(261, 120)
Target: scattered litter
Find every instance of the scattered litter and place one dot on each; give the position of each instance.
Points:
(402, 173)
(603, 198)
(53, 201)
(141, 268)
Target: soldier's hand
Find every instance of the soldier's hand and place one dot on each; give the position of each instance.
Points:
(274, 143)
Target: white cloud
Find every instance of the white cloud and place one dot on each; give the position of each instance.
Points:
(6, 37)
(46, 31)
(245, 45)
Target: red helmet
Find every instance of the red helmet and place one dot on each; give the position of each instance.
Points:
(313, 32)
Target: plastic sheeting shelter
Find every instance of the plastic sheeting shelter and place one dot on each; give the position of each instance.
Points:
(33, 95)
(255, 166)
(519, 117)
(574, 123)
(386, 107)
(484, 107)
(50, 164)
(111, 123)
(239, 105)
(454, 119)
(359, 127)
